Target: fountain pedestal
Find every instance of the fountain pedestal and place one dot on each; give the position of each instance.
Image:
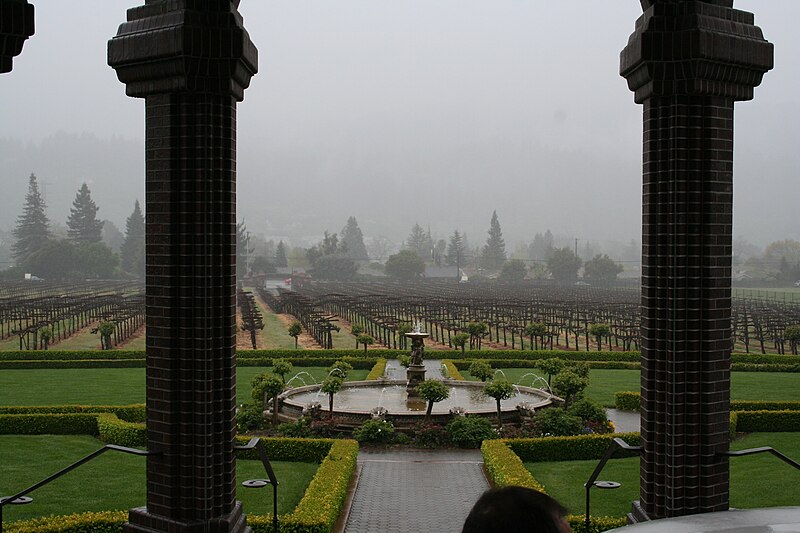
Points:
(416, 370)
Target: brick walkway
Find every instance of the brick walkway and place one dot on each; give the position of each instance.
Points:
(415, 490)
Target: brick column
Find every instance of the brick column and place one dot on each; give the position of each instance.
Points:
(687, 62)
(191, 60)
(16, 25)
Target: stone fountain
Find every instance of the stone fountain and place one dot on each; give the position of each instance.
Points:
(416, 370)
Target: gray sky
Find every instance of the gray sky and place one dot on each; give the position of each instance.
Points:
(434, 111)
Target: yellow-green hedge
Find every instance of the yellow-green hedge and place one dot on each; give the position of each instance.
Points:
(452, 371)
(317, 511)
(505, 468)
(378, 370)
(577, 448)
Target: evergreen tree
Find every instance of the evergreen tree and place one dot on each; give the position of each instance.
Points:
(493, 254)
(354, 239)
(418, 242)
(281, 261)
(33, 228)
(132, 251)
(82, 224)
(243, 249)
(456, 250)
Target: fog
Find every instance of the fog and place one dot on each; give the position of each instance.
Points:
(435, 111)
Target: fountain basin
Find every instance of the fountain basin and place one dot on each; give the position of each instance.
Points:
(353, 403)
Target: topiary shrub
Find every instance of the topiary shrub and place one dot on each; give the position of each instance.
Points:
(250, 416)
(300, 428)
(429, 435)
(480, 370)
(557, 423)
(588, 411)
(470, 431)
(375, 431)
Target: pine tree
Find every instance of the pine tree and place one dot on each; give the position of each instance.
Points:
(243, 250)
(281, 260)
(493, 254)
(82, 224)
(33, 228)
(354, 239)
(132, 251)
(456, 250)
(418, 242)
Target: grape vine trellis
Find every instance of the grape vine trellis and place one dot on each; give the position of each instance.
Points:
(446, 308)
(40, 313)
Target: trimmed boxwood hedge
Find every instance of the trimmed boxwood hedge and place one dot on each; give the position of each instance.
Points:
(629, 401)
(49, 424)
(505, 467)
(317, 512)
(452, 370)
(577, 448)
(129, 413)
(751, 421)
(378, 370)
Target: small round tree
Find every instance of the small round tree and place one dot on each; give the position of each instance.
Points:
(366, 340)
(535, 331)
(432, 391)
(476, 330)
(340, 368)
(551, 367)
(792, 334)
(294, 331)
(569, 385)
(402, 329)
(598, 331)
(500, 389)
(460, 340)
(356, 330)
(266, 386)
(480, 369)
(331, 386)
(281, 367)
(45, 335)
(106, 329)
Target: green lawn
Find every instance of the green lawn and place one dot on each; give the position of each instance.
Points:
(744, 385)
(756, 481)
(111, 386)
(114, 480)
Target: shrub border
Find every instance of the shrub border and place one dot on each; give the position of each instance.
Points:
(505, 467)
(378, 370)
(452, 371)
(317, 511)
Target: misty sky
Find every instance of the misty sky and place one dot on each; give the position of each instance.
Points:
(434, 111)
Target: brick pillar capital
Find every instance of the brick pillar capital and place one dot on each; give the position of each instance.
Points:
(694, 47)
(16, 25)
(169, 46)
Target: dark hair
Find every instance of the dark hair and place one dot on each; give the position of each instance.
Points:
(517, 509)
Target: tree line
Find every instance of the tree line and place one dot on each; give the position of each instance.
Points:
(81, 254)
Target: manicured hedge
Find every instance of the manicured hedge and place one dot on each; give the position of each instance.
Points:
(505, 467)
(49, 424)
(580, 447)
(358, 363)
(463, 364)
(73, 363)
(112, 430)
(289, 449)
(750, 421)
(69, 355)
(378, 370)
(102, 522)
(452, 370)
(317, 511)
(129, 413)
(763, 367)
(629, 401)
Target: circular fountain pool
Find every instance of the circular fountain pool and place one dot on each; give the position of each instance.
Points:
(356, 401)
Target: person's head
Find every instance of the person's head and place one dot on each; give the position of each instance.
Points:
(517, 509)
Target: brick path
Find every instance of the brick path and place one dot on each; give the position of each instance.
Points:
(415, 490)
